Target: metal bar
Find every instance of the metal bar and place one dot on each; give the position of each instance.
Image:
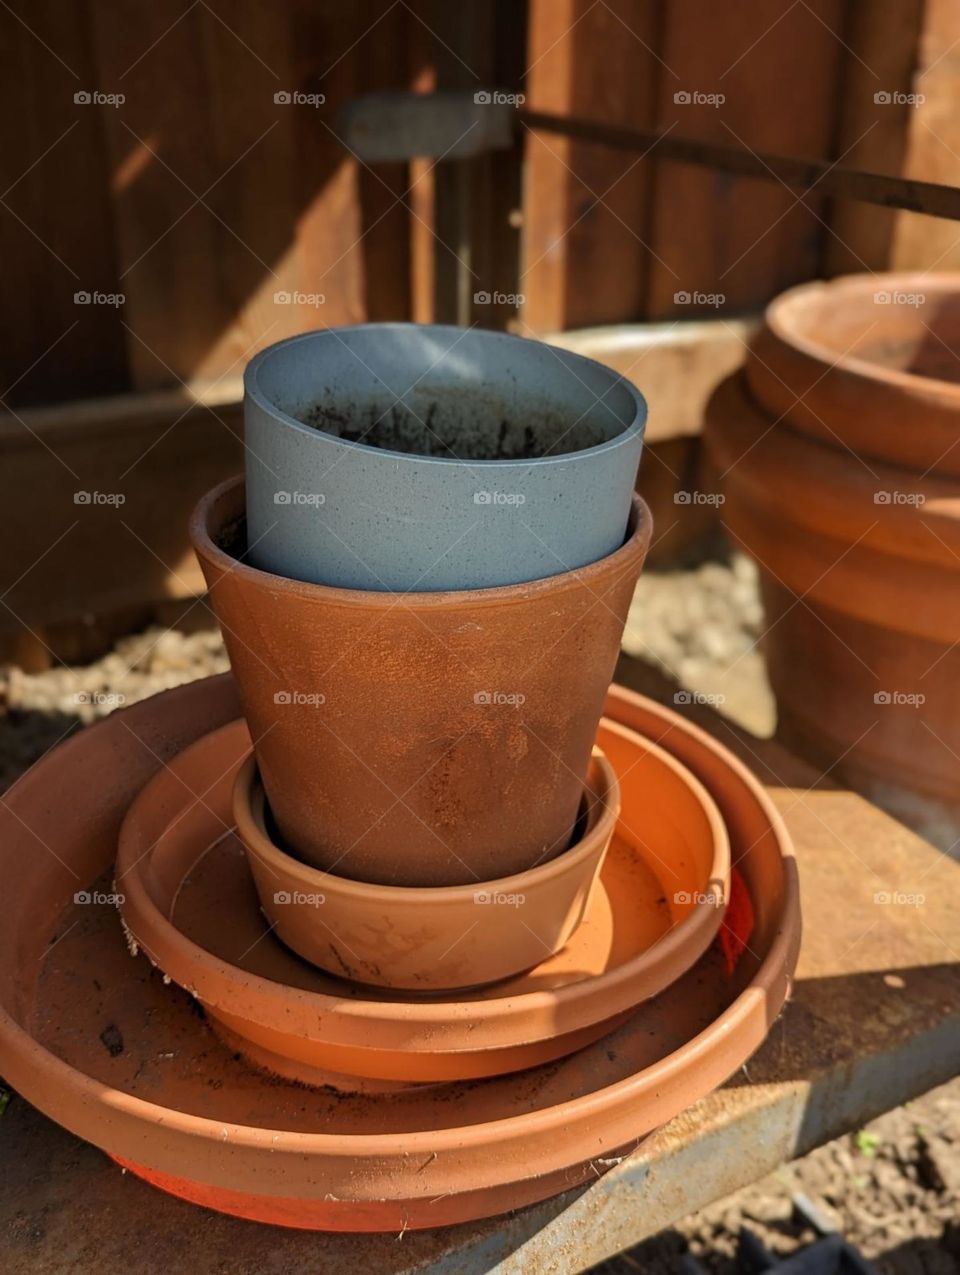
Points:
(396, 126)
(930, 198)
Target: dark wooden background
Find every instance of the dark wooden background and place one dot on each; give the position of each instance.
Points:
(201, 198)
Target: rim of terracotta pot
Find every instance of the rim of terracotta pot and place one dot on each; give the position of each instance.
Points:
(712, 1054)
(206, 523)
(467, 1025)
(786, 315)
(806, 482)
(252, 388)
(249, 804)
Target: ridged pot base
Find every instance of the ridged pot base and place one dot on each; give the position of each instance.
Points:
(878, 709)
(99, 1043)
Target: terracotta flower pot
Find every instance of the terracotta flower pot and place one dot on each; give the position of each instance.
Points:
(191, 905)
(401, 456)
(872, 705)
(426, 939)
(203, 1126)
(879, 543)
(420, 739)
(866, 362)
(862, 602)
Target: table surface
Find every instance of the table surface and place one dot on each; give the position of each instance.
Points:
(873, 1021)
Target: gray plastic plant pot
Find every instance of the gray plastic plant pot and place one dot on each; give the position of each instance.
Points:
(399, 456)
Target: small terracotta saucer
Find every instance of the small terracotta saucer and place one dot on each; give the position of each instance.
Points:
(102, 1045)
(426, 938)
(191, 904)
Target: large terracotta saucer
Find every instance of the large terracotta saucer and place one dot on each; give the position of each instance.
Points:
(101, 1044)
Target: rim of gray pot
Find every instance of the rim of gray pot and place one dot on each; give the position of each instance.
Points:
(636, 542)
(566, 358)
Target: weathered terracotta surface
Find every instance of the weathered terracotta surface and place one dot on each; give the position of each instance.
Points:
(880, 377)
(865, 666)
(655, 908)
(876, 706)
(420, 739)
(432, 938)
(181, 1113)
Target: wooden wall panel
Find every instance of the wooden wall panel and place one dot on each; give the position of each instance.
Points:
(289, 213)
(585, 258)
(56, 231)
(200, 197)
(880, 58)
(777, 70)
(933, 141)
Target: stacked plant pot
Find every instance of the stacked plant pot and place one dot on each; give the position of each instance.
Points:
(423, 624)
(422, 586)
(839, 450)
(399, 849)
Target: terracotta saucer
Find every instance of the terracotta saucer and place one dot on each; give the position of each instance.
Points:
(100, 1044)
(190, 903)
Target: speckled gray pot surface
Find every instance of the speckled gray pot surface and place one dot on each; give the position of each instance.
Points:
(400, 456)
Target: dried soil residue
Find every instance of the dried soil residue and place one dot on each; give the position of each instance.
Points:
(476, 432)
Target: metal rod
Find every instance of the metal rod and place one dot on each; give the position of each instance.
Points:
(929, 198)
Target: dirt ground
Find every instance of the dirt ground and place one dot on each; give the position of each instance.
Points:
(892, 1189)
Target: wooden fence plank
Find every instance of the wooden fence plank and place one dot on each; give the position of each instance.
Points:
(933, 145)
(881, 58)
(56, 234)
(585, 208)
(776, 70)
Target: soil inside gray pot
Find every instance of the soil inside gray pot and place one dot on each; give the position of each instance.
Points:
(460, 424)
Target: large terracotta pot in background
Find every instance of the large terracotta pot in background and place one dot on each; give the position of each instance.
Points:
(424, 738)
(444, 937)
(867, 362)
(401, 456)
(860, 572)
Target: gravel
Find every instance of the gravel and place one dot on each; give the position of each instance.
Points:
(703, 627)
(37, 710)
